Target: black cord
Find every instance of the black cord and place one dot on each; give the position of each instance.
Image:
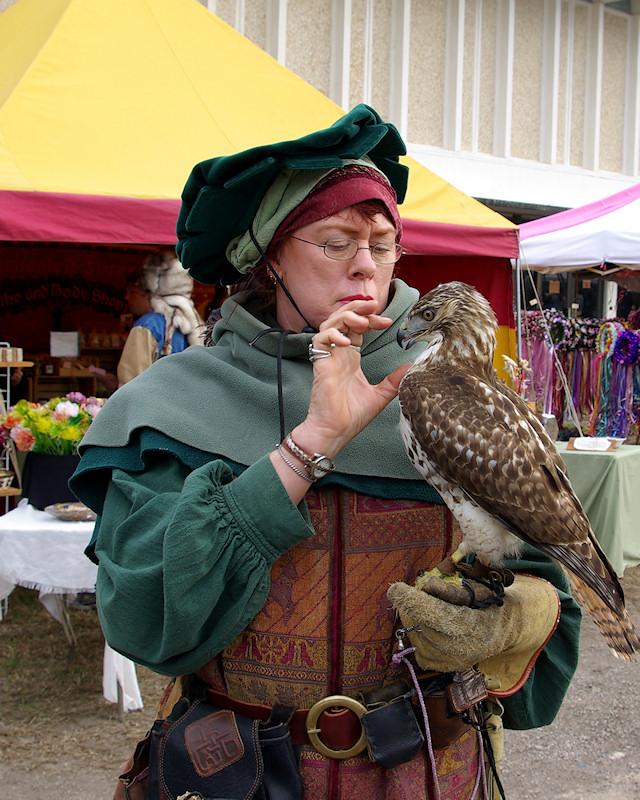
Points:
(282, 335)
(308, 327)
(492, 761)
(481, 725)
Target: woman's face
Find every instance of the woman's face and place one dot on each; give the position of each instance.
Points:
(320, 285)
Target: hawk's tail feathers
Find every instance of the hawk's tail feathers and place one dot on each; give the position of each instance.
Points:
(616, 626)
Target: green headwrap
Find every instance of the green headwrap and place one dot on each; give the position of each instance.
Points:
(223, 195)
(288, 190)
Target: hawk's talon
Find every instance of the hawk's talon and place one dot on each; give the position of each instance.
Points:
(494, 584)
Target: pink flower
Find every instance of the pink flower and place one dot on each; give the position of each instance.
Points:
(23, 438)
(76, 397)
(93, 409)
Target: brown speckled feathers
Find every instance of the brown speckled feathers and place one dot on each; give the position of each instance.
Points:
(490, 458)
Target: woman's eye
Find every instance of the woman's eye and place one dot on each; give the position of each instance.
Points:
(382, 249)
(338, 246)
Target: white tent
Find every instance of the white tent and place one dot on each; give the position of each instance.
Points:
(604, 232)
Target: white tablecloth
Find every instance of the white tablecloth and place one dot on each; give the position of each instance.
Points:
(40, 552)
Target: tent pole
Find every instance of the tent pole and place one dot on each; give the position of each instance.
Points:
(518, 312)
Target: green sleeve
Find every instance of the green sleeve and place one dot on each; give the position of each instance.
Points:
(185, 558)
(539, 700)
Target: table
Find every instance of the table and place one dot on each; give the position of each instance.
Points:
(608, 485)
(39, 551)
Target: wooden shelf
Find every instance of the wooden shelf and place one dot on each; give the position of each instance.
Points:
(10, 491)
(12, 364)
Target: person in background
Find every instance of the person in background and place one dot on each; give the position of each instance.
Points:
(166, 320)
(255, 503)
(19, 385)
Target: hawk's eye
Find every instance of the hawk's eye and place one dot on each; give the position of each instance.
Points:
(428, 314)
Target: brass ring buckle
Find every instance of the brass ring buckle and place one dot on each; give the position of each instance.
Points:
(334, 701)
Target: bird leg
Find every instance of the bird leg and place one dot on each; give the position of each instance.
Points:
(449, 566)
(475, 585)
(492, 578)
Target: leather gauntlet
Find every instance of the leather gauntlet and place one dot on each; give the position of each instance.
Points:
(503, 642)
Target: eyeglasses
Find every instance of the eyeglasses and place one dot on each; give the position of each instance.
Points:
(346, 249)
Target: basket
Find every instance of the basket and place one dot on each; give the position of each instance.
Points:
(6, 478)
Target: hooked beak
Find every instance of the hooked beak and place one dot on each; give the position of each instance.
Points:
(404, 337)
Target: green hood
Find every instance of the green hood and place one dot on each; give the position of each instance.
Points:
(224, 399)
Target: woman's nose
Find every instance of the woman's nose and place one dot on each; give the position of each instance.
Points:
(362, 264)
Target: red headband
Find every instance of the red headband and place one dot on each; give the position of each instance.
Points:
(342, 188)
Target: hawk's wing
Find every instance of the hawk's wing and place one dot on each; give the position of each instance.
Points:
(483, 438)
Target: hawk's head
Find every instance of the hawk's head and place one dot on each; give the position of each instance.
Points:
(455, 322)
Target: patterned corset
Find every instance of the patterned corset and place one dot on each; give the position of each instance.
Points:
(327, 628)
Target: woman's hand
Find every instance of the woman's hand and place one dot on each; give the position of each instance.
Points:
(343, 402)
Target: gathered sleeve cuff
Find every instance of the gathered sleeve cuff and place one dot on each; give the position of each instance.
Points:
(185, 558)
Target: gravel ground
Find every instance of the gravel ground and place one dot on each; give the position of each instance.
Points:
(592, 749)
(59, 739)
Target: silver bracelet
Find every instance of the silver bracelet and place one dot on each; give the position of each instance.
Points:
(292, 466)
(318, 464)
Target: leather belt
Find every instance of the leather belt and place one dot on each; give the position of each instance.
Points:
(332, 725)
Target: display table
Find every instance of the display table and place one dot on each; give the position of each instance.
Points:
(40, 552)
(608, 485)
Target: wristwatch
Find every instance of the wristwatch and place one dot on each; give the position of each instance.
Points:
(318, 465)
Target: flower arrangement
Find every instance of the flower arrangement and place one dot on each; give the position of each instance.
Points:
(55, 427)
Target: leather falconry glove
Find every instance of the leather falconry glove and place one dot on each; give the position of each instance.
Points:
(502, 641)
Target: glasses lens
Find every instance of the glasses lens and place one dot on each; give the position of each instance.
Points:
(385, 253)
(346, 249)
(341, 249)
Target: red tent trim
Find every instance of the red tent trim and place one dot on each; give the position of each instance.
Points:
(439, 238)
(84, 218)
(109, 219)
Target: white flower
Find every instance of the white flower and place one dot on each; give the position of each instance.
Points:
(66, 409)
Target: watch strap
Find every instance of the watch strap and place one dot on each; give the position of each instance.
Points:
(310, 461)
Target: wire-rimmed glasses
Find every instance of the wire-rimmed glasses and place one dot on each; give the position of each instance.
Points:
(345, 249)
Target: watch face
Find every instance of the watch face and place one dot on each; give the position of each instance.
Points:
(321, 466)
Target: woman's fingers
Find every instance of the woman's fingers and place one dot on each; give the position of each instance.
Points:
(331, 337)
(355, 319)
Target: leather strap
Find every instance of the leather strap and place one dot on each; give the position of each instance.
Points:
(341, 728)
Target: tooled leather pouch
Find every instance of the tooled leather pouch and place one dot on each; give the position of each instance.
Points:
(393, 733)
(210, 752)
(466, 689)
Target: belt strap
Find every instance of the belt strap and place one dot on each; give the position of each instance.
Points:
(341, 728)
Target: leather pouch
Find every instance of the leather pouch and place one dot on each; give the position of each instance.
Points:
(393, 733)
(207, 751)
(281, 778)
(466, 689)
(213, 753)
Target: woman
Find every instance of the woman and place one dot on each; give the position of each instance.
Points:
(255, 501)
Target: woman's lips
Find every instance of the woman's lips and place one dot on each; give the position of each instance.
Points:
(355, 297)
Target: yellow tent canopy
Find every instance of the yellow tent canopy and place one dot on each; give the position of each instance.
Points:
(106, 106)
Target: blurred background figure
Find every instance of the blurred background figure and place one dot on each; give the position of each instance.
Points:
(166, 320)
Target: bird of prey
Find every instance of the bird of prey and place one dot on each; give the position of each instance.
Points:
(487, 454)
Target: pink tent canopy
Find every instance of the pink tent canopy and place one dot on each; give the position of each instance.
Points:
(607, 231)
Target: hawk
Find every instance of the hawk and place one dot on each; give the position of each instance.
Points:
(489, 457)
